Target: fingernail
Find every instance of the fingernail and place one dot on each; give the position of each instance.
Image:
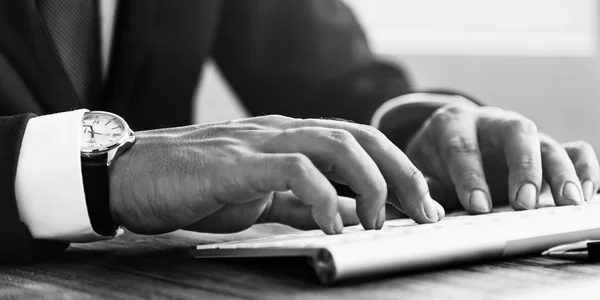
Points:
(588, 189)
(571, 192)
(479, 201)
(430, 210)
(440, 210)
(527, 196)
(338, 225)
(380, 218)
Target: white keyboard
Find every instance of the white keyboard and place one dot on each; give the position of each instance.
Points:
(402, 245)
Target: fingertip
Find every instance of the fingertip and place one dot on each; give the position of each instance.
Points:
(588, 189)
(380, 218)
(338, 224)
(430, 209)
(479, 202)
(369, 217)
(571, 194)
(440, 210)
(325, 222)
(527, 197)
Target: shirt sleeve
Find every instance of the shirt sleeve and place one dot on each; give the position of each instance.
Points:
(49, 185)
(415, 99)
(401, 117)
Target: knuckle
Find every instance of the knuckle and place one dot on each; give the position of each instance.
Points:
(415, 175)
(273, 119)
(248, 127)
(493, 110)
(461, 145)
(278, 118)
(370, 132)
(547, 147)
(297, 165)
(340, 138)
(372, 135)
(584, 147)
(454, 109)
(471, 178)
(228, 123)
(381, 187)
(520, 124)
(442, 117)
(527, 163)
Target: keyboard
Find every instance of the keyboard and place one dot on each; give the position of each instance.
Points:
(402, 245)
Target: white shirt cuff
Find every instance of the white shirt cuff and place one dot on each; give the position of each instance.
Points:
(49, 185)
(412, 99)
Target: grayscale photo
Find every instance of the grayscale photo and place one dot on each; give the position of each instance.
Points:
(299, 149)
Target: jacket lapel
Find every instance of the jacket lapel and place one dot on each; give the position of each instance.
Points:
(132, 39)
(25, 43)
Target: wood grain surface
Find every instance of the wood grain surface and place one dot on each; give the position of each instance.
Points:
(157, 267)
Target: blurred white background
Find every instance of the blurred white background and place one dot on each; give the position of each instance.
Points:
(537, 57)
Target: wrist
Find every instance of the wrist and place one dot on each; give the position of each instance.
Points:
(105, 137)
(116, 180)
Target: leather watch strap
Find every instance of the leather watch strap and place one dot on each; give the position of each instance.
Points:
(97, 194)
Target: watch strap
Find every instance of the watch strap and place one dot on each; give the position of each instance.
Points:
(96, 188)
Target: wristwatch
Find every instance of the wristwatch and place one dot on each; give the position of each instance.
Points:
(104, 137)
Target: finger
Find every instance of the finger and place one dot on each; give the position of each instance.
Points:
(407, 182)
(265, 173)
(286, 208)
(584, 159)
(560, 174)
(338, 152)
(395, 211)
(333, 176)
(521, 144)
(232, 217)
(425, 156)
(458, 147)
(273, 121)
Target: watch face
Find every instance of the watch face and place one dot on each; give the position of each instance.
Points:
(101, 130)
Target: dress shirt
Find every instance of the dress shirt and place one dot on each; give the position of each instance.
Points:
(48, 184)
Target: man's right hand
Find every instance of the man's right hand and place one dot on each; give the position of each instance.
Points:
(224, 177)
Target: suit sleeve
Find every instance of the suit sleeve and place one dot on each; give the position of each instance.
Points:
(18, 246)
(311, 59)
(303, 59)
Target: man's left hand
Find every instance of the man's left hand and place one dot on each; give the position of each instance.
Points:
(486, 155)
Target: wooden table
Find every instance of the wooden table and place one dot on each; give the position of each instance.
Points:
(148, 267)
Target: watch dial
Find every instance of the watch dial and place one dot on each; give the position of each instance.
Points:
(100, 130)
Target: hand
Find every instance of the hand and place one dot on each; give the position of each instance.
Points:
(224, 177)
(486, 155)
(91, 128)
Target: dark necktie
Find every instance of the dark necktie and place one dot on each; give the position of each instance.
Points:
(73, 27)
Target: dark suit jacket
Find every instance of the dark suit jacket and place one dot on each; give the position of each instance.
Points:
(305, 58)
